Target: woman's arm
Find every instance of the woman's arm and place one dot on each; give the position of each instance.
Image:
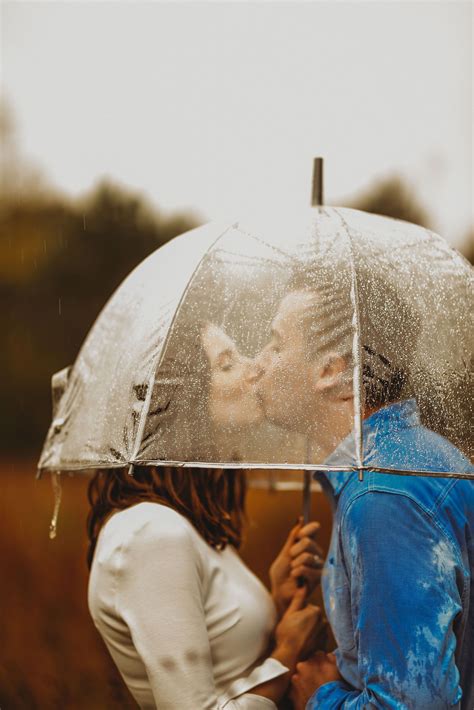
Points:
(293, 636)
(160, 596)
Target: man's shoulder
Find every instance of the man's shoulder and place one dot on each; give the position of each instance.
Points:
(422, 452)
(418, 448)
(424, 492)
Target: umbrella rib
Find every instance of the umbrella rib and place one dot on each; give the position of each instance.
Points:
(155, 366)
(357, 351)
(244, 262)
(259, 466)
(272, 247)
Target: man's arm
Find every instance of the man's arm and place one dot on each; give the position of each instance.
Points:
(404, 599)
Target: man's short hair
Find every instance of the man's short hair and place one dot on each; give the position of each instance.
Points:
(388, 326)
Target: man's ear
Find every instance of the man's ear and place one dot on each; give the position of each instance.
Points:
(330, 372)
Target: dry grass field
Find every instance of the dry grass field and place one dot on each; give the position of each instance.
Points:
(51, 656)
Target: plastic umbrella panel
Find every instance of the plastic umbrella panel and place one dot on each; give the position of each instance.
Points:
(267, 344)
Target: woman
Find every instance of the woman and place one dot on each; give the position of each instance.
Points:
(186, 622)
(232, 400)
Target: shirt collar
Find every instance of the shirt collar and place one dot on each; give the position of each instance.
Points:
(383, 423)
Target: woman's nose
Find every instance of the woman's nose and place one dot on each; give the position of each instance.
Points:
(254, 371)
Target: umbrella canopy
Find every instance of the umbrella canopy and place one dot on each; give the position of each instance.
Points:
(266, 343)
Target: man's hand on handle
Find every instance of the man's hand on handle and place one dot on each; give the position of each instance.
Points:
(310, 675)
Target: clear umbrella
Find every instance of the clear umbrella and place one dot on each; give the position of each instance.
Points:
(264, 343)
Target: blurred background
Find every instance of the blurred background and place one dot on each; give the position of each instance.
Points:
(125, 124)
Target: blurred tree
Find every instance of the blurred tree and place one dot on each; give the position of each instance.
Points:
(59, 262)
(392, 197)
(467, 246)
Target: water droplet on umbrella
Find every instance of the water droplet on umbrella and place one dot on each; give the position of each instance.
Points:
(56, 483)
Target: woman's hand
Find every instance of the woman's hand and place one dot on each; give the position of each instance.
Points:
(300, 557)
(296, 632)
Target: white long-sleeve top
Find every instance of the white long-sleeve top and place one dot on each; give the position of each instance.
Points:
(186, 625)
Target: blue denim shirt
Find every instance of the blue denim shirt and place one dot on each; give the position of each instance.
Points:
(398, 582)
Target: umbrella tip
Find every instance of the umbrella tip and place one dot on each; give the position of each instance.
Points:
(317, 197)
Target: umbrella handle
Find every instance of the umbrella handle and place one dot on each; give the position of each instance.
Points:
(56, 483)
(317, 199)
(301, 581)
(307, 497)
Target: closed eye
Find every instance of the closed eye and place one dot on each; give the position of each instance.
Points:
(275, 342)
(225, 360)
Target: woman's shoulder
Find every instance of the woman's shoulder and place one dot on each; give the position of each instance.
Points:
(147, 523)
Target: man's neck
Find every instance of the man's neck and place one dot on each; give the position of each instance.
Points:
(337, 425)
(320, 446)
(368, 411)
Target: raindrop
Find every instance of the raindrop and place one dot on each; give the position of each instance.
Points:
(84, 221)
(56, 483)
(44, 245)
(59, 306)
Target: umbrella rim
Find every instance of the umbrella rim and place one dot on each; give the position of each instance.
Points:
(81, 468)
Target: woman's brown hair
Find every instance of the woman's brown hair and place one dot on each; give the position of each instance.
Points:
(213, 500)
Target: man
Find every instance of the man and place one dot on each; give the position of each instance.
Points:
(399, 577)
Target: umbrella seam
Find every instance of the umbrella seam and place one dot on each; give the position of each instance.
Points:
(273, 467)
(156, 365)
(358, 353)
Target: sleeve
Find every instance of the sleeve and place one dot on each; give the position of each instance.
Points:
(160, 597)
(404, 599)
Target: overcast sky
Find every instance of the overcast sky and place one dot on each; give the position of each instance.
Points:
(221, 106)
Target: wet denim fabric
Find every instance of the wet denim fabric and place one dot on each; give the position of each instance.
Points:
(398, 581)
